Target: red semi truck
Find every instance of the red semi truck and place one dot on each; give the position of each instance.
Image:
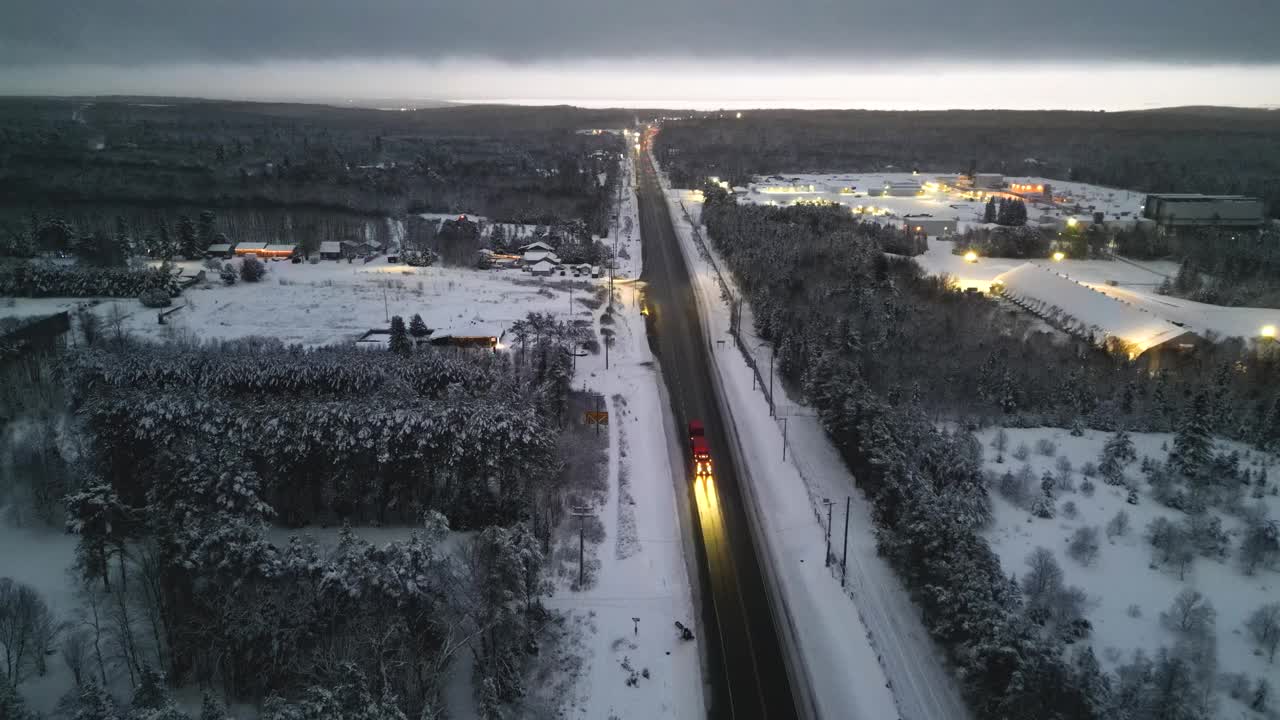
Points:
(699, 449)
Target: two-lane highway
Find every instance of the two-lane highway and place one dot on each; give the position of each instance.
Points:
(749, 678)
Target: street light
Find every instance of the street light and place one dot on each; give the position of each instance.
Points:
(1268, 331)
(1059, 257)
(1072, 222)
(971, 257)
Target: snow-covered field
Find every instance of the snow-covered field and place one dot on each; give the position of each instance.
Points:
(1122, 575)
(865, 648)
(1071, 199)
(334, 301)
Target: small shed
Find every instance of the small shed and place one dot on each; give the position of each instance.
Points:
(219, 250)
(542, 268)
(331, 250)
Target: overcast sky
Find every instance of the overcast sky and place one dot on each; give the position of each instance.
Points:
(755, 51)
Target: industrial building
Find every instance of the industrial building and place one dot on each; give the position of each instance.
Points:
(903, 188)
(1088, 314)
(989, 181)
(1195, 210)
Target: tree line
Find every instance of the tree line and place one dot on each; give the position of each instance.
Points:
(883, 352)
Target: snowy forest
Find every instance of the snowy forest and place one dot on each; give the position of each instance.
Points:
(902, 369)
(177, 467)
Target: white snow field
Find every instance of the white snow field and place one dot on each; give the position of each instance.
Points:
(1121, 575)
(334, 301)
(865, 648)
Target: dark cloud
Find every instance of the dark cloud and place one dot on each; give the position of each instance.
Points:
(39, 32)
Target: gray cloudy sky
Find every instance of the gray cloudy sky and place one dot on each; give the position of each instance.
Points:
(559, 48)
(146, 31)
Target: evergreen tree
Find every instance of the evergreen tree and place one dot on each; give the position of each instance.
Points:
(399, 336)
(211, 709)
(11, 705)
(1192, 445)
(417, 327)
(989, 212)
(206, 233)
(188, 241)
(95, 703)
(1116, 454)
(252, 269)
(151, 693)
(228, 274)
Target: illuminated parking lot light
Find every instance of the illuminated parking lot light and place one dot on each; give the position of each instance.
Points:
(1059, 257)
(1072, 222)
(1268, 331)
(971, 257)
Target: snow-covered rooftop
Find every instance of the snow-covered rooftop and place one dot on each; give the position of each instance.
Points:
(1081, 308)
(331, 246)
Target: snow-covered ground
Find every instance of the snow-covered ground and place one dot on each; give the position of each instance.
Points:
(644, 571)
(1121, 575)
(1071, 199)
(334, 301)
(865, 648)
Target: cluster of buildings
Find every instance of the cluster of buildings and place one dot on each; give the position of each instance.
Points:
(539, 259)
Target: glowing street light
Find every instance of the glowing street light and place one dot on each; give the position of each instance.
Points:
(1268, 331)
(1059, 257)
(971, 257)
(1072, 222)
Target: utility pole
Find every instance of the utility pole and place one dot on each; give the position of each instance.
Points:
(828, 503)
(773, 351)
(784, 439)
(386, 307)
(581, 513)
(844, 558)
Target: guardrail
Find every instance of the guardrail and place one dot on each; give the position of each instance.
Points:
(735, 310)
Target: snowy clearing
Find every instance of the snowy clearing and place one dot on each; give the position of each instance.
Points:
(1121, 576)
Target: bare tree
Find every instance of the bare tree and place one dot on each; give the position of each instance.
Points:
(1044, 575)
(1118, 526)
(26, 629)
(1191, 613)
(1084, 545)
(1264, 625)
(75, 653)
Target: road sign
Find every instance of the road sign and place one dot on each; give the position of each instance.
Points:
(597, 418)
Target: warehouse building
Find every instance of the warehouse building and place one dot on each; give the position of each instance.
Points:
(1090, 315)
(1170, 210)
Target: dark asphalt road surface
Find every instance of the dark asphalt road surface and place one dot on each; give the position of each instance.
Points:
(749, 679)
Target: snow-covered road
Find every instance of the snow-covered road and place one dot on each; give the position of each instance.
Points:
(866, 649)
(644, 572)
